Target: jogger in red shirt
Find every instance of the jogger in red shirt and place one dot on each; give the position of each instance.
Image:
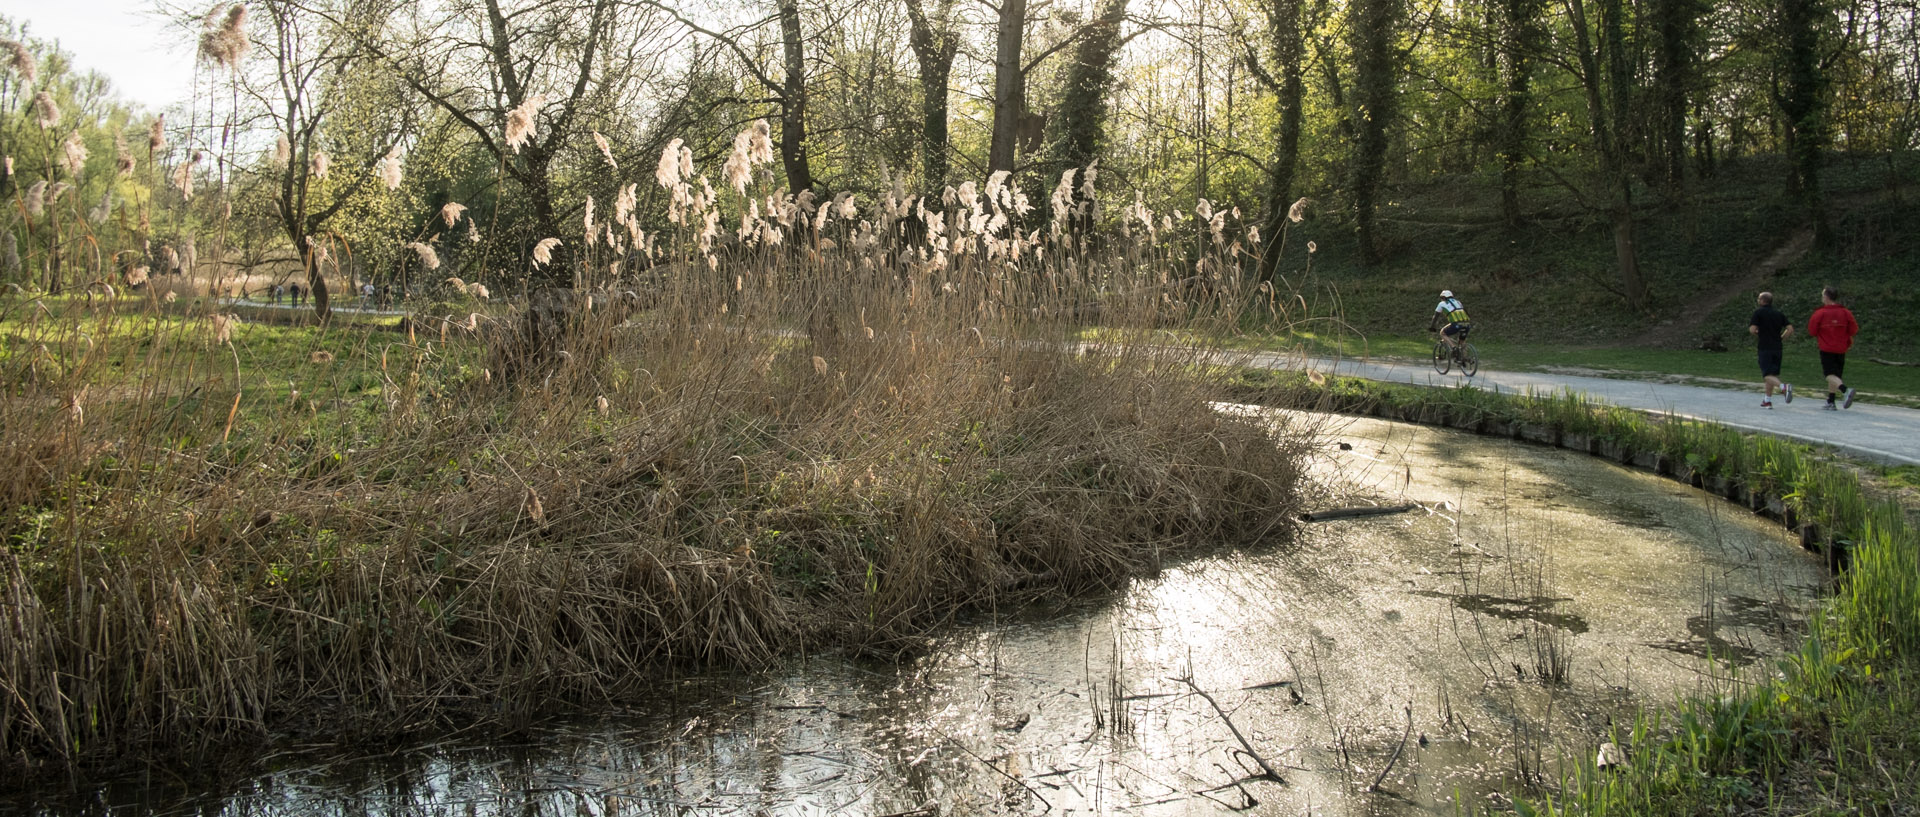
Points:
(1833, 327)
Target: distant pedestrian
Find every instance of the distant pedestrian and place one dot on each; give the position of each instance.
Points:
(1770, 327)
(1833, 326)
(294, 290)
(273, 295)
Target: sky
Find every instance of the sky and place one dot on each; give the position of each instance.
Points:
(122, 39)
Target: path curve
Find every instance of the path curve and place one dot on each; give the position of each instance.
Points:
(1887, 434)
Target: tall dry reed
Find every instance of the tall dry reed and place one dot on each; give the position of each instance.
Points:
(822, 430)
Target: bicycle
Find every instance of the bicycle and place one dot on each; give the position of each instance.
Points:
(1446, 357)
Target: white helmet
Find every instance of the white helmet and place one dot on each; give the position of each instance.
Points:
(1446, 293)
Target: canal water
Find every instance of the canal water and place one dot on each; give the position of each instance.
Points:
(1420, 662)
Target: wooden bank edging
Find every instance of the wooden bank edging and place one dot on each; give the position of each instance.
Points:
(1761, 502)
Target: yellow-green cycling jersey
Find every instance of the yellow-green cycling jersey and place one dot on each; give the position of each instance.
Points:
(1453, 310)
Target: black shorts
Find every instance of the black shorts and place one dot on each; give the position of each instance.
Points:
(1770, 362)
(1833, 364)
(1456, 329)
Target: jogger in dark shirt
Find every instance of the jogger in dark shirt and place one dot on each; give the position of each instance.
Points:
(1770, 327)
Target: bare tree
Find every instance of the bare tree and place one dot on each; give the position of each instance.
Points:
(1009, 84)
(312, 64)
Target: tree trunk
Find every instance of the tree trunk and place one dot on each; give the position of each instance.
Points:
(1289, 57)
(793, 107)
(1083, 106)
(1678, 24)
(1520, 27)
(1608, 138)
(1009, 85)
(934, 43)
(1372, 25)
(1626, 253)
(1803, 101)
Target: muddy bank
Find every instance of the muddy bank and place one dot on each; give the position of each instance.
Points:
(1481, 641)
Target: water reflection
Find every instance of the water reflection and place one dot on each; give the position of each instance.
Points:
(1482, 641)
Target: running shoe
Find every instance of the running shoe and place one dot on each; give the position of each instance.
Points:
(1787, 388)
(1832, 407)
(1848, 403)
(1766, 404)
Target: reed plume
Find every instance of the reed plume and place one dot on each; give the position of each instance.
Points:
(428, 258)
(1297, 212)
(225, 43)
(520, 122)
(157, 134)
(21, 61)
(183, 176)
(223, 327)
(36, 199)
(451, 212)
(667, 172)
(46, 114)
(73, 153)
(390, 168)
(319, 164)
(543, 251)
(606, 150)
(123, 163)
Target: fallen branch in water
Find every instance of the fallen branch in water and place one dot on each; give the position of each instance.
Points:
(1266, 771)
(989, 764)
(1349, 513)
(1375, 786)
(1268, 685)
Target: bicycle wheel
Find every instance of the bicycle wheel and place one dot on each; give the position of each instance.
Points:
(1469, 360)
(1442, 357)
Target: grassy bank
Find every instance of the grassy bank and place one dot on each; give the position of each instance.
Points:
(219, 530)
(1831, 728)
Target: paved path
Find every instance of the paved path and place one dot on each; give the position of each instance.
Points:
(350, 307)
(1885, 433)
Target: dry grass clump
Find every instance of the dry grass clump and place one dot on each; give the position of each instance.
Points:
(825, 432)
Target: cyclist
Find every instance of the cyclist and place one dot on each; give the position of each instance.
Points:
(1455, 314)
